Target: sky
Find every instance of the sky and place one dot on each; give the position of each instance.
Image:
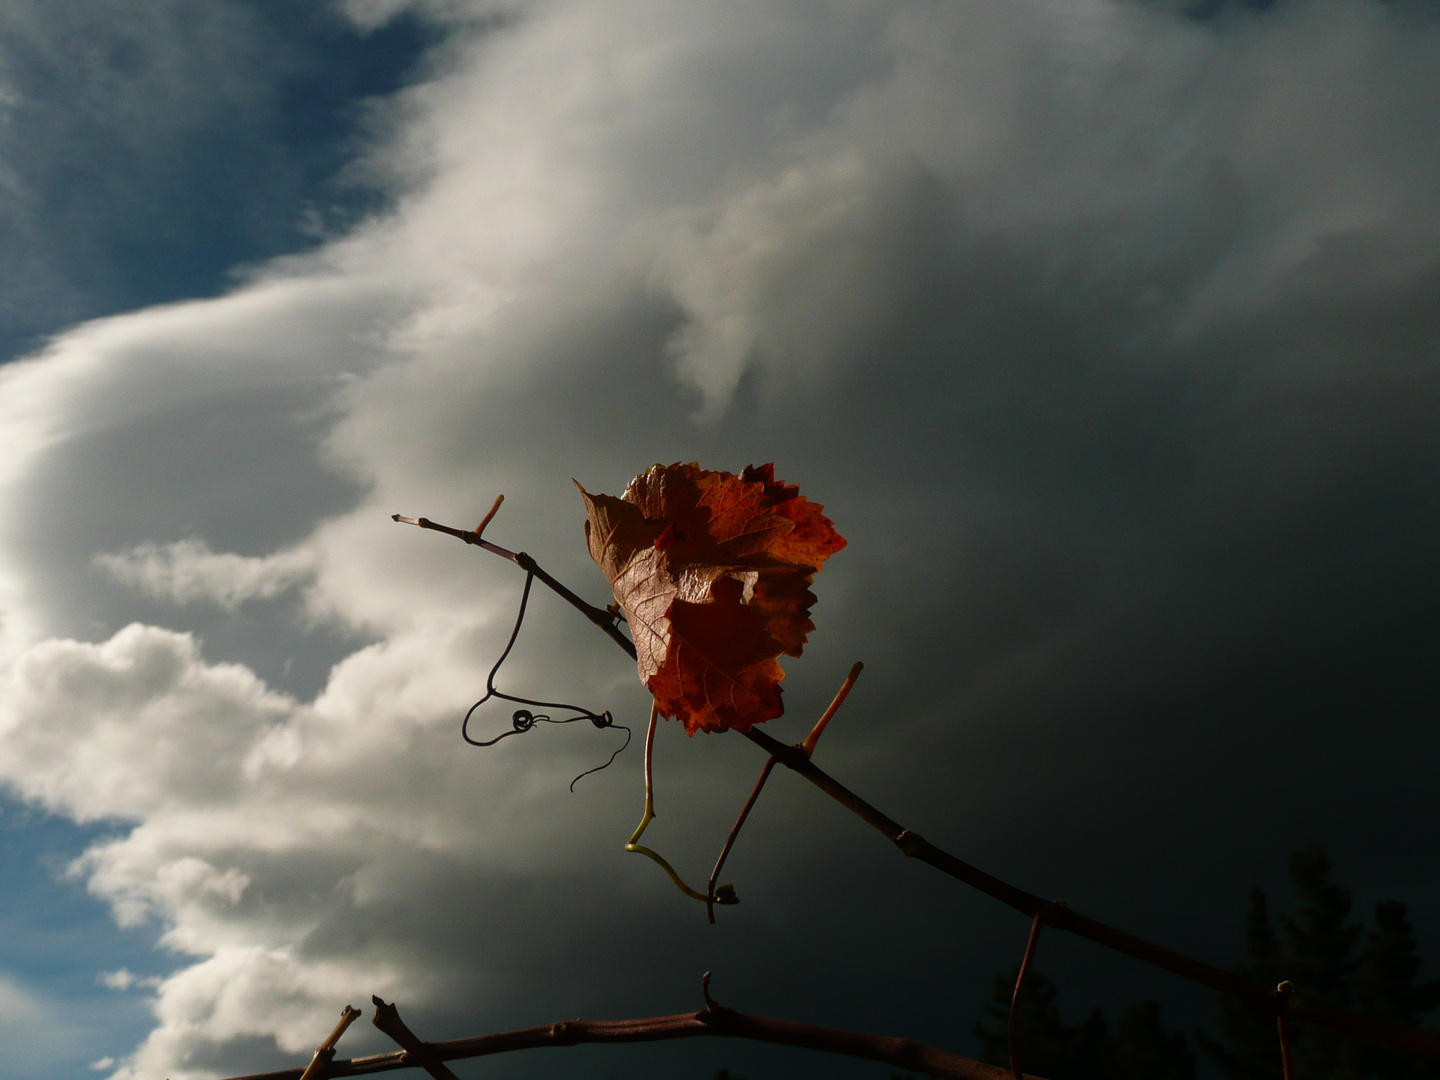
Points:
(1106, 331)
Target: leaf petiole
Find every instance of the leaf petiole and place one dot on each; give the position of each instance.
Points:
(649, 815)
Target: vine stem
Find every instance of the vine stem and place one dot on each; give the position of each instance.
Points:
(1282, 999)
(1057, 917)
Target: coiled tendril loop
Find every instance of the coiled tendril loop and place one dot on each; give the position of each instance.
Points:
(523, 720)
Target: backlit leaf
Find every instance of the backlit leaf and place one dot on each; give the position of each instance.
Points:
(713, 572)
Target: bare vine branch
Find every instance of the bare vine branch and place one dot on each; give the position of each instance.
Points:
(1056, 916)
(712, 1021)
(1012, 1029)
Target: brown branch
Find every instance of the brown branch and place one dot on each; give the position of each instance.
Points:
(709, 1022)
(421, 1054)
(914, 846)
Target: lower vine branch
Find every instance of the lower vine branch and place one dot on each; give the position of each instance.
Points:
(1057, 917)
(709, 1022)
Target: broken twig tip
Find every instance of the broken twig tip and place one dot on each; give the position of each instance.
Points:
(819, 729)
(480, 529)
(326, 1050)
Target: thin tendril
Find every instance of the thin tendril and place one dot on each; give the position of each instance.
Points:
(523, 719)
(607, 764)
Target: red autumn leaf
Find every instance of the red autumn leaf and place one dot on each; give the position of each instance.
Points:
(713, 572)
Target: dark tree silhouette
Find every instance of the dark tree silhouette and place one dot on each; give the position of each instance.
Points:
(1139, 1048)
(1315, 949)
(1248, 1049)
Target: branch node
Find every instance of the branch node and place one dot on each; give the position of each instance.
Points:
(713, 1014)
(792, 757)
(911, 843)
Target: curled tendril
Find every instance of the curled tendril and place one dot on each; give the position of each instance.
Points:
(522, 720)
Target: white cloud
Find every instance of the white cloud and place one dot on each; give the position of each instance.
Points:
(124, 979)
(187, 571)
(241, 992)
(826, 232)
(124, 728)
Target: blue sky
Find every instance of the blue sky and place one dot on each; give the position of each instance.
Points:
(1105, 331)
(165, 146)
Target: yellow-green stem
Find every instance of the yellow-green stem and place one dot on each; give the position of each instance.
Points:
(649, 815)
